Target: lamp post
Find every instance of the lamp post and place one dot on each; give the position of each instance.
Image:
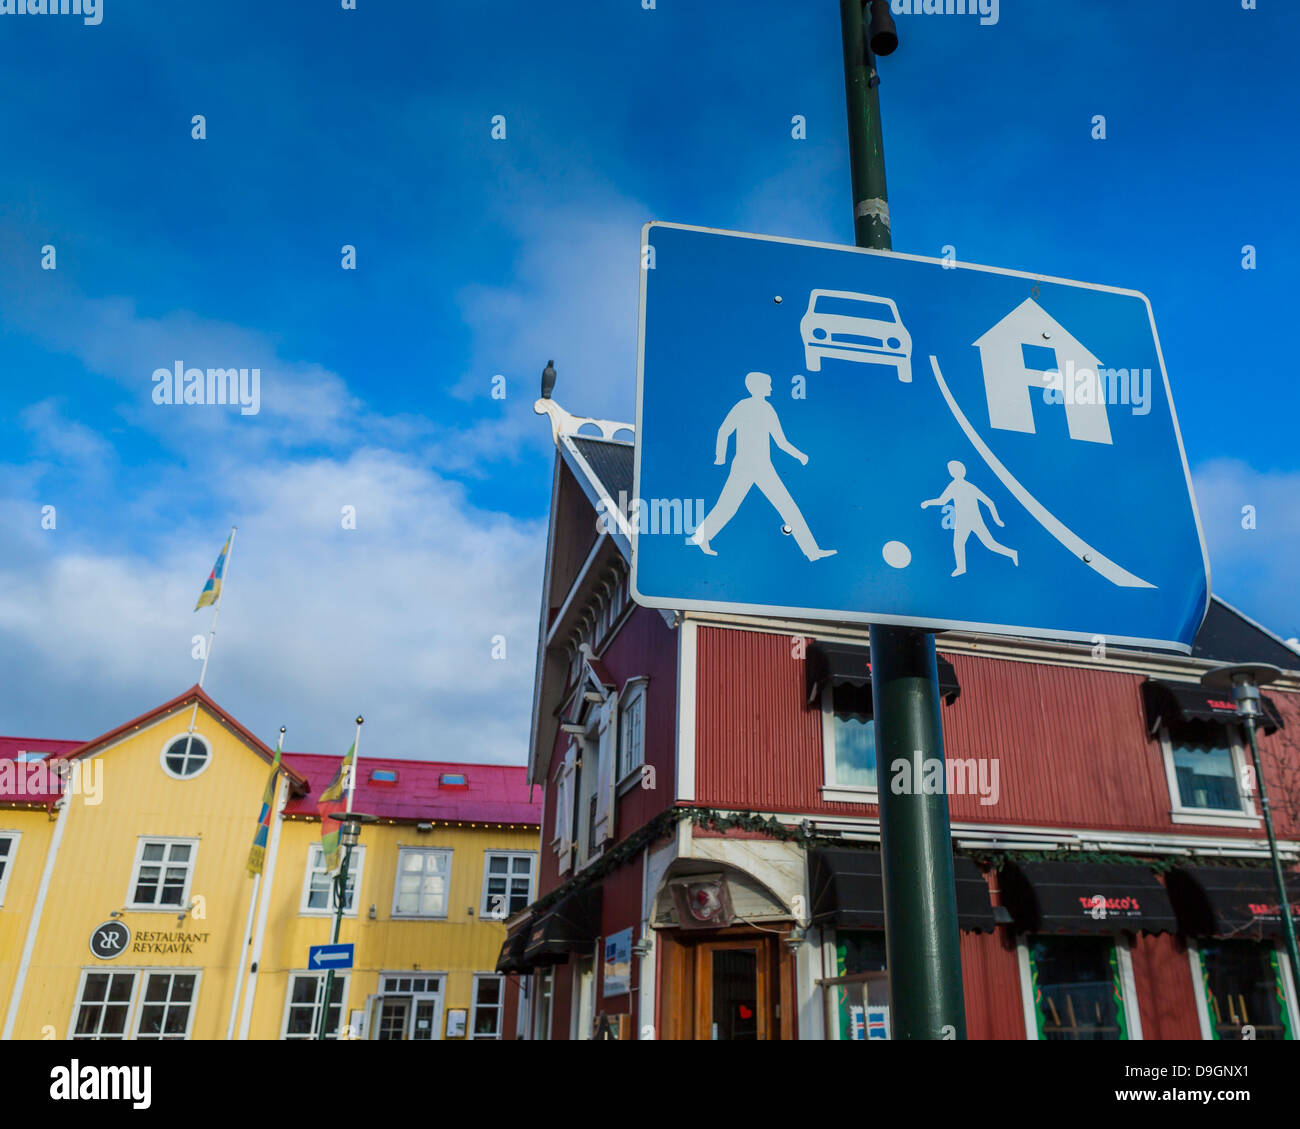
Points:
(922, 942)
(349, 836)
(1245, 679)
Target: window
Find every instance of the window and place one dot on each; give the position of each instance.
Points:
(318, 886)
(103, 1005)
(422, 878)
(186, 756)
(631, 736)
(166, 1005)
(848, 743)
(1077, 988)
(162, 872)
(161, 999)
(1206, 766)
(544, 982)
(1243, 988)
(8, 847)
(302, 1004)
(489, 1000)
(507, 884)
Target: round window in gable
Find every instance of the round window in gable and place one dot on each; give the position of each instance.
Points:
(186, 756)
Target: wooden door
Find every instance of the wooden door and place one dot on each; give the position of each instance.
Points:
(733, 997)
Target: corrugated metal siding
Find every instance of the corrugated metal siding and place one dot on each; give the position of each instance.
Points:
(1166, 994)
(645, 645)
(756, 745)
(1070, 743)
(991, 985)
(1280, 756)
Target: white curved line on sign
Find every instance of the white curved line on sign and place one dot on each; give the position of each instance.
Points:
(1095, 560)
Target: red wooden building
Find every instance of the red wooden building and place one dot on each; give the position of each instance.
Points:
(709, 854)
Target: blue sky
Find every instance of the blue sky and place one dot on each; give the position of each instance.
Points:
(479, 257)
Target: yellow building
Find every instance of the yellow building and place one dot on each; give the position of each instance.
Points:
(126, 909)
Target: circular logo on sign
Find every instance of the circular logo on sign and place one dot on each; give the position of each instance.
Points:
(110, 940)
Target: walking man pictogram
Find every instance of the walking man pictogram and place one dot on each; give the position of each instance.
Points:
(756, 425)
(967, 518)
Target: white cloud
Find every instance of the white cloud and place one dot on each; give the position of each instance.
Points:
(1252, 568)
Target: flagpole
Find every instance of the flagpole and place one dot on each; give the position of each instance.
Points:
(248, 923)
(212, 631)
(356, 756)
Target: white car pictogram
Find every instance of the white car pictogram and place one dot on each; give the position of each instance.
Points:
(855, 327)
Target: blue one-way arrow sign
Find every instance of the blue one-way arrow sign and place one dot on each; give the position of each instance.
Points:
(330, 956)
(842, 434)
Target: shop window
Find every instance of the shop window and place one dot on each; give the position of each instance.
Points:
(1243, 990)
(507, 883)
(318, 884)
(161, 874)
(489, 1001)
(103, 1009)
(167, 1005)
(857, 1001)
(849, 738)
(302, 1005)
(1076, 988)
(8, 847)
(422, 879)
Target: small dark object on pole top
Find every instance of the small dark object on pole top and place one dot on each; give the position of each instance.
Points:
(882, 35)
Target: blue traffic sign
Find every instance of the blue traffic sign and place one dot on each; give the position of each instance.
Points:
(330, 956)
(833, 433)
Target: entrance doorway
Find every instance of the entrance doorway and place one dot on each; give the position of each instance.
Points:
(725, 986)
(410, 1008)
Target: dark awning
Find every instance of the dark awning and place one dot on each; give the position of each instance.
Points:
(1084, 897)
(847, 890)
(570, 926)
(1230, 901)
(845, 664)
(511, 958)
(1174, 702)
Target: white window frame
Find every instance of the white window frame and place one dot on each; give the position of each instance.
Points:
(500, 1007)
(397, 880)
(485, 911)
(77, 1001)
(7, 861)
(1128, 985)
(320, 977)
(1197, 968)
(142, 1003)
(161, 907)
(135, 1004)
(316, 855)
(543, 1002)
(413, 997)
(198, 739)
(831, 788)
(633, 698)
(1211, 817)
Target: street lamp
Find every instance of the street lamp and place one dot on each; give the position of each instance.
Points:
(1244, 680)
(349, 836)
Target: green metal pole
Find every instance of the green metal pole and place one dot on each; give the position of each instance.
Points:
(340, 899)
(1283, 906)
(922, 943)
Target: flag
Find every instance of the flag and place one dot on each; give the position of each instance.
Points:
(334, 798)
(212, 589)
(257, 853)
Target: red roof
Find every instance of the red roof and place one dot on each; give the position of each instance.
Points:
(31, 783)
(493, 793)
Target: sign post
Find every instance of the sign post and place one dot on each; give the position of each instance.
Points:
(922, 942)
